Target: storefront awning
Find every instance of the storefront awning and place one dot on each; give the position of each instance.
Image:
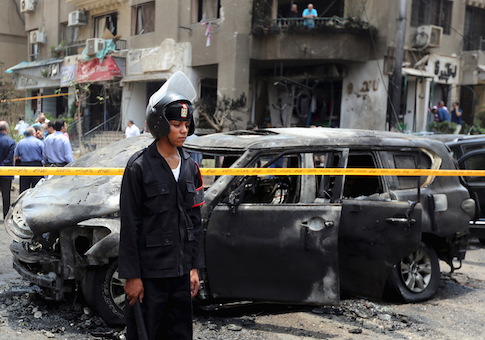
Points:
(416, 73)
(36, 74)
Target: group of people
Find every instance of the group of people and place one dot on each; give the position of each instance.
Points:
(35, 149)
(309, 13)
(442, 114)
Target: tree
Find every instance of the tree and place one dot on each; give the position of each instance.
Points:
(7, 93)
(220, 115)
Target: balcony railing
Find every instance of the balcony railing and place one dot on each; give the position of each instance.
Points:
(302, 25)
(78, 46)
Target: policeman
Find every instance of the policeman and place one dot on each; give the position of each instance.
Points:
(160, 237)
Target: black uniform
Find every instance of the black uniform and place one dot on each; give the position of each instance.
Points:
(160, 240)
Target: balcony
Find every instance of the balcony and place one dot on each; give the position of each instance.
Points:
(307, 26)
(330, 39)
(78, 46)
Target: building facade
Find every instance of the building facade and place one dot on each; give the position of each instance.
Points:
(102, 59)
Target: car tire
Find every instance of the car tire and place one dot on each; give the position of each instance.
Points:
(103, 291)
(416, 277)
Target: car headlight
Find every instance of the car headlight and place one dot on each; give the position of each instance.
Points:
(16, 225)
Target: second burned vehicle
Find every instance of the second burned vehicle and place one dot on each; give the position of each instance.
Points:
(285, 238)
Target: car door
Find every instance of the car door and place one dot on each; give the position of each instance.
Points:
(376, 230)
(267, 241)
(475, 160)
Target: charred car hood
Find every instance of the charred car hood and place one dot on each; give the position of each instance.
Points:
(63, 201)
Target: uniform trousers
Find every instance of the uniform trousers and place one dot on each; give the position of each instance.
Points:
(166, 309)
(27, 182)
(5, 187)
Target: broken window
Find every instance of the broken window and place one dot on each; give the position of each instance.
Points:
(143, 18)
(360, 186)
(105, 26)
(206, 10)
(271, 189)
(432, 12)
(325, 185)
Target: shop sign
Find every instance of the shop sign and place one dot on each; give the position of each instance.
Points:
(68, 75)
(95, 70)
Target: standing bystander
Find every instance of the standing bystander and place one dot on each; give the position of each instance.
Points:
(7, 148)
(456, 116)
(131, 129)
(29, 152)
(160, 237)
(310, 14)
(57, 148)
(443, 113)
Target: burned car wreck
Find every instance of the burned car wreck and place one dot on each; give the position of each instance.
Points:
(279, 238)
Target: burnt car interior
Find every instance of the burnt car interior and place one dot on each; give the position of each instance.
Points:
(270, 189)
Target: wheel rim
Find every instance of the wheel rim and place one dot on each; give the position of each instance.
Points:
(416, 271)
(117, 290)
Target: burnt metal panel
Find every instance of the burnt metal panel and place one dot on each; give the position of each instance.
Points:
(374, 236)
(274, 253)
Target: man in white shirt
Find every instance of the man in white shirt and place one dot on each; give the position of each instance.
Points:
(131, 129)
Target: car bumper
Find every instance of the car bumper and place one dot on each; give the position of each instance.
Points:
(39, 269)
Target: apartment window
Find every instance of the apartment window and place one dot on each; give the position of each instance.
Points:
(68, 34)
(432, 12)
(34, 52)
(206, 9)
(105, 26)
(144, 18)
(474, 37)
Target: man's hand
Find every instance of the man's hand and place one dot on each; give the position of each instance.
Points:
(194, 282)
(134, 290)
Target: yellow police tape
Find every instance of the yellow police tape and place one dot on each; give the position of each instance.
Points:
(72, 171)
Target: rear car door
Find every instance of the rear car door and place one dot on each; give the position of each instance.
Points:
(268, 239)
(377, 229)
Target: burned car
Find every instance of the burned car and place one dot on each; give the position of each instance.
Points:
(281, 238)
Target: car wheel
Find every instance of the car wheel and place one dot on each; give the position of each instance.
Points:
(416, 277)
(103, 290)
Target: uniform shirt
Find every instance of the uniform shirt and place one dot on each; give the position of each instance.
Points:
(30, 149)
(161, 230)
(7, 147)
(57, 149)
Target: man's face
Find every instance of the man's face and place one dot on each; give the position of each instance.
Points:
(310, 7)
(39, 134)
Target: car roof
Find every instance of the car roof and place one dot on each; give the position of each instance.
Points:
(274, 138)
(452, 138)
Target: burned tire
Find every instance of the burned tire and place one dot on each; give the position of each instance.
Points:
(103, 290)
(416, 277)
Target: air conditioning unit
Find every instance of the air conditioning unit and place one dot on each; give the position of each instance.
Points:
(94, 45)
(37, 37)
(427, 36)
(27, 5)
(77, 18)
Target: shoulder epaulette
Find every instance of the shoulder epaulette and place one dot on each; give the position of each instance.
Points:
(135, 156)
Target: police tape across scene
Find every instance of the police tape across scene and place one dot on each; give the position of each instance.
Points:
(73, 171)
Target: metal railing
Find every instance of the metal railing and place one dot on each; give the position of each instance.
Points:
(111, 124)
(281, 25)
(78, 46)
